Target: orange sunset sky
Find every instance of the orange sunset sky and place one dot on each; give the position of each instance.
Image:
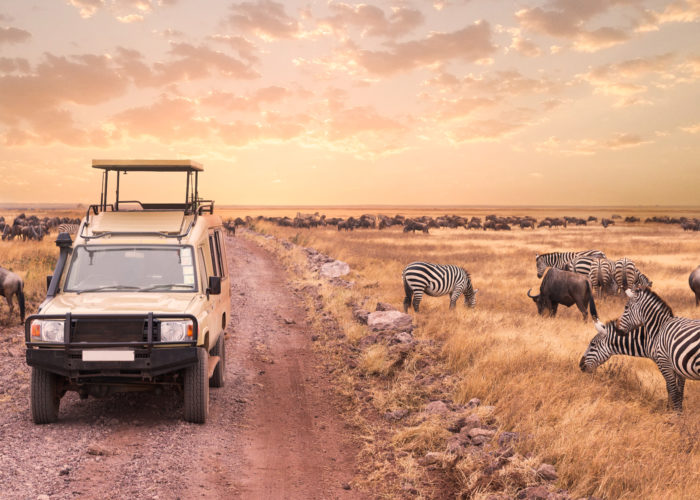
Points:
(340, 102)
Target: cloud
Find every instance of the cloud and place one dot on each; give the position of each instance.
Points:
(231, 102)
(10, 65)
(634, 77)
(168, 119)
(692, 129)
(575, 147)
(265, 19)
(188, 62)
(13, 35)
(493, 129)
(470, 44)
(243, 47)
(568, 19)
(371, 20)
(124, 11)
(679, 11)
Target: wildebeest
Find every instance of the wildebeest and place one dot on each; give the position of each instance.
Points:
(414, 226)
(566, 288)
(11, 284)
(694, 281)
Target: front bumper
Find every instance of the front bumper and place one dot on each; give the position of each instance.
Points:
(151, 358)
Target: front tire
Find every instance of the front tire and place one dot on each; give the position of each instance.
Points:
(45, 396)
(196, 389)
(218, 378)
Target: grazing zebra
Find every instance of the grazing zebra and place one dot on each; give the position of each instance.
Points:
(610, 341)
(436, 280)
(68, 228)
(561, 259)
(628, 276)
(674, 342)
(581, 264)
(602, 275)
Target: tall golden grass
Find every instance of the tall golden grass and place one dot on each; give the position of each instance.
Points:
(609, 433)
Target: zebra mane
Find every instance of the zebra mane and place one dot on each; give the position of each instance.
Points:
(613, 323)
(657, 299)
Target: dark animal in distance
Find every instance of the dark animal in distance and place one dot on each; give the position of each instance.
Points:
(566, 288)
(694, 281)
(10, 285)
(436, 280)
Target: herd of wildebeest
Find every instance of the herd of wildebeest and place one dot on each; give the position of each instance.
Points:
(425, 223)
(31, 228)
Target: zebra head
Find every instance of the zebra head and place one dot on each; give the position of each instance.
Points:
(643, 282)
(470, 297)
(541, 264)
(599, 350)
(632, 316)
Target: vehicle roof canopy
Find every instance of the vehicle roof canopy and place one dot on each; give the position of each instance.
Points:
(148, 165)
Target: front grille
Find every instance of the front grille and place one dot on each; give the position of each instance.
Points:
(112, 330)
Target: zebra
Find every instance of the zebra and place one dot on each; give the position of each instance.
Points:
(561, 259)
(436, 280)
(627, 276)
(674, 342)
(68, 228)
(602, 275)
(610, 340)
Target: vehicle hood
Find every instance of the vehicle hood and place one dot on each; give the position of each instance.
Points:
(119, 303)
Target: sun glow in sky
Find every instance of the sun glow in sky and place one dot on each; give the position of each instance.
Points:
(340, 102)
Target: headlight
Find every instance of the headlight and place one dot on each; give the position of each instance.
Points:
(175, 331)
(47, 331)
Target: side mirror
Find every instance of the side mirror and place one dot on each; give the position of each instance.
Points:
(214, 285)
(48, 281)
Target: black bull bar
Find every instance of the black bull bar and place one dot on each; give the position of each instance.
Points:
(65, 358)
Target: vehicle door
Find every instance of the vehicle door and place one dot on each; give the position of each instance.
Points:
(221, 303)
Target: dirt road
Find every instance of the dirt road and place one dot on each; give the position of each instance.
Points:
(273, 430)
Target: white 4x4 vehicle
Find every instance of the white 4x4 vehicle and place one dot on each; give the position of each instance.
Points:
(139, 300)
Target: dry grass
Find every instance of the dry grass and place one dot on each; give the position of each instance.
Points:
(608, 434)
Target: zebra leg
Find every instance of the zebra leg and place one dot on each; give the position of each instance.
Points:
(680, 383)
(675, 396)
(409, 296)
(453, 299)
(417, 296)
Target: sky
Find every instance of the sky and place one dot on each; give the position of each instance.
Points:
(442, 102)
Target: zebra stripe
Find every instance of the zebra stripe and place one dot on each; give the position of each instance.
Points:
(435, 280)
(610, 341)
(627, 276)
(561, 259)
(68, 228)
(602, 275)
(675, 341)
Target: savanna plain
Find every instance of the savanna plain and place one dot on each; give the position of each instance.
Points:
(609, 434)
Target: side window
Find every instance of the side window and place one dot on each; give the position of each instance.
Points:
(206, 270)
(221, 247)
(215, 248)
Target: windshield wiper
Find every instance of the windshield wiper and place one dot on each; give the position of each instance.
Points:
(108, 287)
(165, 285)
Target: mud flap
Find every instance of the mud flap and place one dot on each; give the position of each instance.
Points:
(213, 361)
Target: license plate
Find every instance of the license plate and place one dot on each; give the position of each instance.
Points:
(108, 355)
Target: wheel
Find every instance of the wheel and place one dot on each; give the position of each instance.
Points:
(197, 389)
(219, 376)
(45, 396)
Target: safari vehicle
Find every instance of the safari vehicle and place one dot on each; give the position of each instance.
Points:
(138, 301)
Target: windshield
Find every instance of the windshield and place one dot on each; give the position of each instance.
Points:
(131, 268)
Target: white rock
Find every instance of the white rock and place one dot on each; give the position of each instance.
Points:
(390, 320)
(436, 407)
(334, 269)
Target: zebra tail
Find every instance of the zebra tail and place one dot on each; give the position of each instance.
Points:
(20, 300)
(594, 311)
